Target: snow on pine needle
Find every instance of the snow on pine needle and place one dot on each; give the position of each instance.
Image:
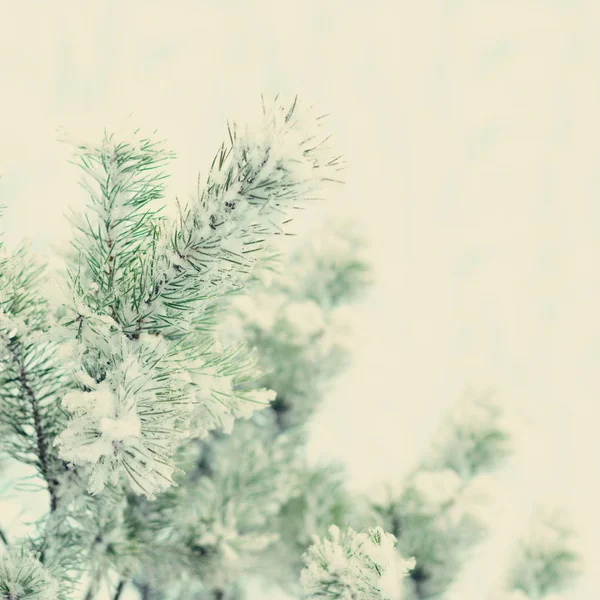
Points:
(32, 379)
(215, 526)
(222, 388)
(354, 566)
(23, 577)
(254, 183)
(126, 424)
(143, 293)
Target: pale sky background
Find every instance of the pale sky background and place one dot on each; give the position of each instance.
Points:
(471, 131)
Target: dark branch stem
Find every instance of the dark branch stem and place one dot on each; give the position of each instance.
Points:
(91, 592)
(419, 576)
(396, 526)
(4, 538)
(40, 434)
(280, 407)
(120, 587)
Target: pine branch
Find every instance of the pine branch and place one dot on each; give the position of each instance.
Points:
(41, 436)
(122, 180)
(31, 380)
(297, 323)
(23, 576)
(300, 357)
(140, 277)
(251, 187)
(137, 341)
(353, 565)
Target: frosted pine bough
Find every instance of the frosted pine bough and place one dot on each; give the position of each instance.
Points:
(139, 276)
(353, 566)
(237, 511)
(118, 428)
(133, 359)
(23, 576)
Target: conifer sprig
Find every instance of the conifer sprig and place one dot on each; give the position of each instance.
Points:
(253, 184)
(31, 378)
(123, 180)
(143, 285)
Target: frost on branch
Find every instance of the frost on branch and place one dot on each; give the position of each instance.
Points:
(322, 499)
(126, 425)
(138, 277)
(300, 322)
(221, 517)
(221, 382)
(249, 503)
(354, 566)
(254, 183)
(23, 577)
(32, 379)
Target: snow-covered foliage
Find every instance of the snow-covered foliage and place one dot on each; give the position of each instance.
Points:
(473, 439)
(220, 518)
(322, 500)
(124, 425)
(231, 514)
(108, 389)
(250, 503)
(32, 378)
(23, 577)
(224, 389)
(138, 275)
(164, 400)
(354, 566)
(300, 322)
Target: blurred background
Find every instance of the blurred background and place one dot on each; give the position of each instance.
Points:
(471, 134)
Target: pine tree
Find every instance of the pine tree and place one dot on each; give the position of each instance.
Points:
(164, 403)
